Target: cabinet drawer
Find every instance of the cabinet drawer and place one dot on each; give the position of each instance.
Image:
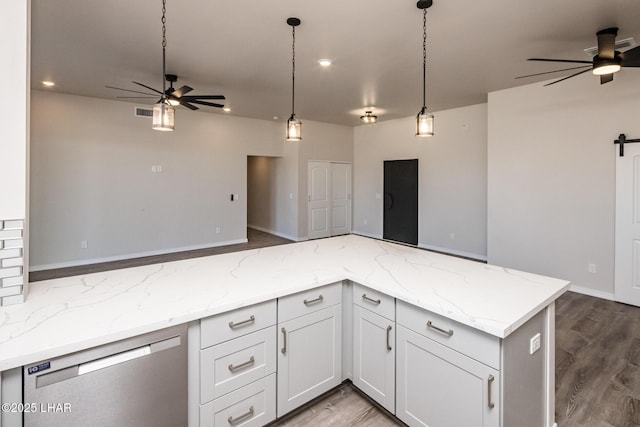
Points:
(226, 326)
(379, 303)
(476, 344)
(236, 363)
(253, 405)
(306, 302)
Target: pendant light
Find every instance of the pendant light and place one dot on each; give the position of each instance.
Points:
(163, 112)
(424, 119)
(294, 126)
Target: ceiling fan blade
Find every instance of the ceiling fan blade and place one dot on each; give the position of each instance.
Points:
(570, 61)
(631, 58)
(210, 104)
(188, 105)
(568, 77)
(135, 97)
(606, 78)
(150, 88)
(607, 42)
(554, 71)
(129, 90)
(178, 93)
(205, 97)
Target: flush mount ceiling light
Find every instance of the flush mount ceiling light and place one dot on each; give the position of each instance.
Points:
(48, 84)
(368, 118)
(324, 62)
(163, 112)
(424, 119)
(294, 126)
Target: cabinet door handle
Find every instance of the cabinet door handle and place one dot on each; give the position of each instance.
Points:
(434, 327)
(284, 338)
(313, 301)
(389, 338)
(371, 300)
(251, 319)
(249, 362)
(234, 421)
(489, 399)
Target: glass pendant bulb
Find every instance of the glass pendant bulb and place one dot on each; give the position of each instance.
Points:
(424, 123)
(294, 129)
(163, 116)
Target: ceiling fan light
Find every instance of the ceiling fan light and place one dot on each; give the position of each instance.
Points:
(368, 118)
(174, 102)
(163, 117)
(294, 129)
(424, 123)
(606, 66)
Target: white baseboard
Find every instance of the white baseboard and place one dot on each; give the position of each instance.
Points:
(471, 255)
(275, 233)
(592, 292)
(362, 233)
(133, 255)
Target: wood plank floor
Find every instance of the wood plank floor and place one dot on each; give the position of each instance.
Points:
(597, 358)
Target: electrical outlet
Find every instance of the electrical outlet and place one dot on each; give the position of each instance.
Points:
(534, 343)
(217, 230)
(378, 196)
(452, 236)
(366, 221)
(592, 268)
(84, 244)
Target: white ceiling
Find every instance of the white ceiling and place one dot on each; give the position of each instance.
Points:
(243, 50)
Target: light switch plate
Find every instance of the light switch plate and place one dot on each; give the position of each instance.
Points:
(534, 343)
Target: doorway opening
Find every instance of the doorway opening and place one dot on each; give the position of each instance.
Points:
(400, 221)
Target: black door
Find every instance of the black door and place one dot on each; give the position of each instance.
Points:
(401, 201)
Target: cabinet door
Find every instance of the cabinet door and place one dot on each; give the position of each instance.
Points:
(374, 356)
(439, 387)
(309, 357)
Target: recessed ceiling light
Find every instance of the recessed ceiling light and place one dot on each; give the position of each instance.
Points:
(324, 62)
(226, 109)
(48, 84)
(276, 118)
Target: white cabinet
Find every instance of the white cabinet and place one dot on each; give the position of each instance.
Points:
(309, 356)
(374, 356)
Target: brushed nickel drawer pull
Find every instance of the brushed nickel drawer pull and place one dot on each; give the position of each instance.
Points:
(432, 326)
(313, 301)
(244, 322)
(489, 382)
(388, 338)
(371, 300)
(284, 338)
(234, 421)
(249, 362)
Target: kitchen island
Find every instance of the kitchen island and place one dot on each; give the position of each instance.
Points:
(66, 315)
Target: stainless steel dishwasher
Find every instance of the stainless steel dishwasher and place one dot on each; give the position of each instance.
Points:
(137, 382)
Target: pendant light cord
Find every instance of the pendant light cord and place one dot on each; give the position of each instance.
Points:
(164, 47)
(293, 73)
(424, 58)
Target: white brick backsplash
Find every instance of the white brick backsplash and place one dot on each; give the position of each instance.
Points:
(12, 281)
(8, 292)
(12, 262)
(10, 253)
(10, 272)
(10, 234)
(14, 224)
(15, 299)
(13, 243)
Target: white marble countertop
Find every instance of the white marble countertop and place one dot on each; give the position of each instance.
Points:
(69, 314)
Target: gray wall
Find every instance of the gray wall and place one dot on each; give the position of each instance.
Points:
(92, 179)
(551, 191)
(452, 178)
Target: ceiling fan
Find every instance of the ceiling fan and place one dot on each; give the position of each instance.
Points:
(175, 96)
(605, 63)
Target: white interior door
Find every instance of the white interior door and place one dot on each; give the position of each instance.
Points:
(340, 198)
(319, 199)
(627, 252)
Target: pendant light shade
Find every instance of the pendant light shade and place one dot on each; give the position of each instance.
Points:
(294, 129)
(163, 116)
(424, 119)
(294, 126)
